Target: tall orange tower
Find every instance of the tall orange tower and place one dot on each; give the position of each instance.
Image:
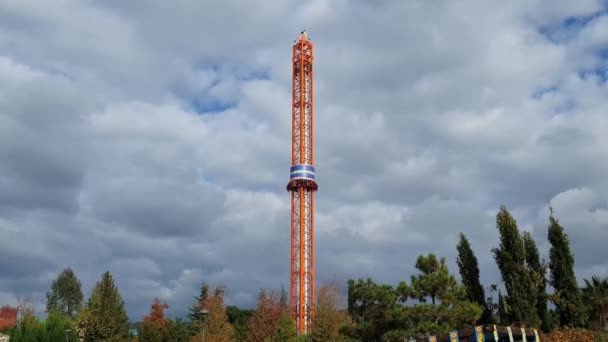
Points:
(302, 186)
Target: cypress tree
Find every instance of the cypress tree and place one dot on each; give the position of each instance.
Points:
(469, 272)
(510, 257)
(537, 271)
(503, 314)
(567, 297)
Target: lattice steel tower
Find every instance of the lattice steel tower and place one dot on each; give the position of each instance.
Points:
(302, 186)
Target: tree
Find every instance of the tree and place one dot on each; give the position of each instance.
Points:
(286, 328)
(510, 257)
(567, 296)
(195, 315)
(65, 294)
(104, 318)
(155, 326)
(595, 295)
(381, 312)
(434, 282)
(330, 315)
(239, 318)
(263, 324)
(502, 310)
(469, 273)
(178, 331)
(537, 271)
(217, 326)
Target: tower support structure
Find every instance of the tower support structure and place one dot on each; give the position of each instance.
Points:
(302, 187)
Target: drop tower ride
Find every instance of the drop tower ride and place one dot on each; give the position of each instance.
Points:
(302, 186)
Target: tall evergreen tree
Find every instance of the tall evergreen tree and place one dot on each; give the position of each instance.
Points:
(537, 270)
(469, 272)
(567, 297)
(105, 317)
(65, 294)
(510, 257)
(194, 313)
(503, 314)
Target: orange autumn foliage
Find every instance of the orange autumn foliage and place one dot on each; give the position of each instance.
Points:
(156, 317)
(575, 335)
(217, 327)
(263, 323)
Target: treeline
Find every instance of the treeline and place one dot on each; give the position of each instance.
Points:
(103, 316)
(434, 302)
(430, 302)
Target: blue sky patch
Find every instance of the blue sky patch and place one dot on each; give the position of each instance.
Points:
(568, 28)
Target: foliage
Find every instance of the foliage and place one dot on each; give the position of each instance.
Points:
(469, 273)
(104, 318)
(434, 281)
(510, 257)
(194, 313)
(178, 331)
(154, 327)
(239, 318)
(595, 296)
(286, 328)
(216, 325)
(537, 270)
(263, 324)
(65, 294)
(576, 335)
(29, 328)
(379, 311)
(567, 297)
(329, 313)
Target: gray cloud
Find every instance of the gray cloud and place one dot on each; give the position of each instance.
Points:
(428, 118)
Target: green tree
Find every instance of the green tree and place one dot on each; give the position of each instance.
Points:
(56, 326)
(469, 273)
(567, 296)
(381, 312)
(104, 318)
(510, 257)
(286, 329)
(595, 295)
(65, 294)
(194, 313)
(537, 270)
(27, 329)
(502, 310)
(239, 318)
(178, 331)
(435, 281)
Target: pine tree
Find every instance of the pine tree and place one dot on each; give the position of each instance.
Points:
(469, 272)
(537, 271)
(435, 280)
(105, 317)
(567, 297)
(510, 257)
(65, 294)
(195, 310)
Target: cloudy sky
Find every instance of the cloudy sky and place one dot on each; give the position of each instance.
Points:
(152, 138)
